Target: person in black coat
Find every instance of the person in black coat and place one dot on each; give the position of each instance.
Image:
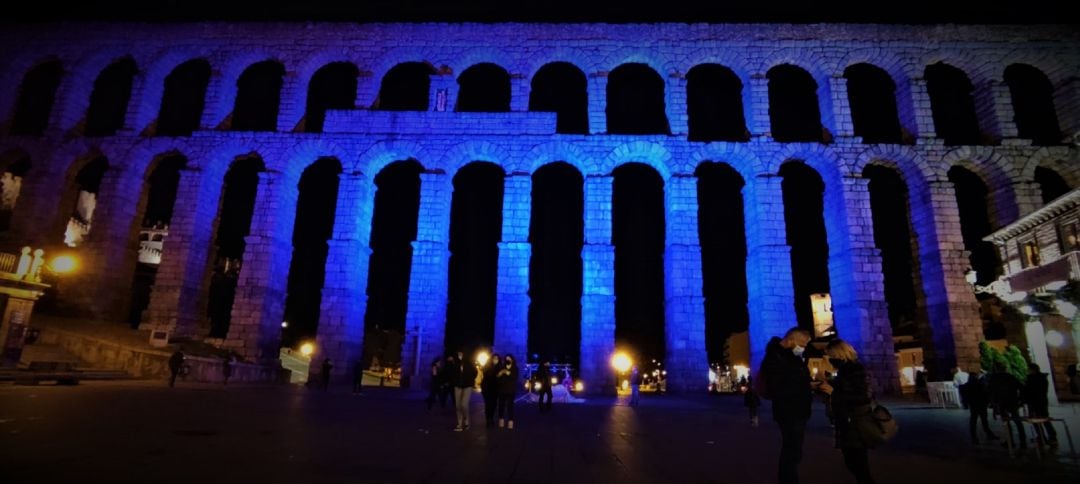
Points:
(543, 376)
(463, 376)
(1005, 397)
(1035, 391)
(849, 396)
(977, 396)
(506, 384)
(176, 363)
(787, 380)
(488, 388)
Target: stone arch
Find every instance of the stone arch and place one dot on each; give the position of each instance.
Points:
(823, 159)
(912, 166)
(978, 71)
(1046, 61)
(991, 165)
(652, 154)
(486, 55)
(553, 151)
(736, 155)
(217, 161)
(1056, 158)
(300, 156)
(392, 57)
(12, 78)
(533, 63)
(901, 70)
(140, 158)
(375, 158)
(75, 89)
(801, 58)
(165, 62)
(654, 59)
(471, 151)
(732, 59)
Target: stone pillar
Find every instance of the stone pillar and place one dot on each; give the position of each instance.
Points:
(144, 103)
(597, 102)
(676, 109)
(219, 100)
(444, 92)
(842, 124)
(1067, 102)
(37, 221)
(993, 108)
(906, 109)
(757, 113)
(687, 361)
(101, 288)
(425, 322)
(922, 114)
(259, 306)
(1025, 196)
(861, 315)
(340, 334)
(512, 293)
(598, 288)
(367, 90)
(293, 105)
(955, 327)
(519, 92)
(178, 299)
(768, 264)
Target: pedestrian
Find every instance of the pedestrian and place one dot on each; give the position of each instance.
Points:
(977, 396)
(635, 385)
(464, 378)
(960, 378)
(489, 388)
(1005, 398)
(327, 367)
(1035, 392)
(358, 377)
(849, 395)
(506, 385)
(176, 363)
(543, 376)
(434, 386)
(787, 382)
(752, 401)
(446, 381)
(226, 368)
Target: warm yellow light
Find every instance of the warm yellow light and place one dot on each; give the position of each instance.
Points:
(625, 384)
(482, 358)
(621, 362)
(536, 386)
(307, 349)
(579, 386)
(64, 263)
(554, 381)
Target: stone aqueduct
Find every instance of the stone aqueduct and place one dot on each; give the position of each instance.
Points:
(365, 139)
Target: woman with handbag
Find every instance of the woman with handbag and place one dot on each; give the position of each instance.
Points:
(849, 393)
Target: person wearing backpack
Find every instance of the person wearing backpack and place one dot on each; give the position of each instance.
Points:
(785, 379)
(849, 393)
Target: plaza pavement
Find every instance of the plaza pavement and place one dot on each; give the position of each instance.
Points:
(144, 432)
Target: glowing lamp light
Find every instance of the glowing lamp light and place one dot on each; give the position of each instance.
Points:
(621, 362)
(482, 358)
(536, 386)
(284, 324)
(307, 349)
(579, 386)
(554, 381)
(1054, 338)
(64, 264)
(625, 384)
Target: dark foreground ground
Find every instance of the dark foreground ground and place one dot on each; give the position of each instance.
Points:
(143, 432)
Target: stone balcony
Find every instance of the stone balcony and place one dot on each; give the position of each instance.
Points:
(1057, 271)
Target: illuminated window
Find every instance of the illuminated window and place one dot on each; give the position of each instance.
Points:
(1029, 253)
(1069, 236)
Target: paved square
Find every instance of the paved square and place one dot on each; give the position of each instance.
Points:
(147, 433)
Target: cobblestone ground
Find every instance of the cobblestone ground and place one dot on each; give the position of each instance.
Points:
(147, 433)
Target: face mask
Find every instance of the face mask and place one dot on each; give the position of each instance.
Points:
(798, 350)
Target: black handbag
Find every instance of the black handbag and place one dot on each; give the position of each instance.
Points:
(875, 424)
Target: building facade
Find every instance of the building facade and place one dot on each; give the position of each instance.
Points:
(952, 95)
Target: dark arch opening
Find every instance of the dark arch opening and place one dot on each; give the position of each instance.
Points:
(315, 209)
(872, 94)
(160, 193)
(793, 105)
(1051, 184)
(109, 100)
(714, 104)
(37, 93)
(83, 200)
(332, 87)
(234, 223)
(972, 201)
(258, 97)
(805, 225)
(893, 236)
(11, 178)
(722, 235)
(183, 99)
(635, 101)
(556, 232)
(393, 229)
(1033, 104)
(406, 87)
(484, 88)
(561, 87)
(475, 231)
(952, 104)
(638, 233)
